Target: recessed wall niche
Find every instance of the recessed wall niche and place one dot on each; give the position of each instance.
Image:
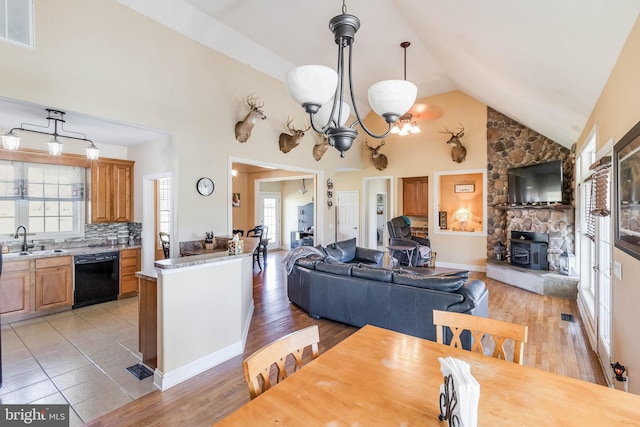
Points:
(460, 202)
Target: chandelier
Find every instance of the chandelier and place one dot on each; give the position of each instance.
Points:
(405, 125)
(320, 91)
(11, 141)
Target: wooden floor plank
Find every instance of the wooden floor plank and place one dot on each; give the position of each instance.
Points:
(217, 392)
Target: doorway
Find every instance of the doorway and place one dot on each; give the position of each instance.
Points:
(269, 214)
(378, 192)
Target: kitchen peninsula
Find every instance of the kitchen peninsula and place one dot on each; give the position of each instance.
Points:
(204, 308)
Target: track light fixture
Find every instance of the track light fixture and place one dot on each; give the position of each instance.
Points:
(11, 141)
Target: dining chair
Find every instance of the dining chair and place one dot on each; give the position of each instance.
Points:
(257, 367)
(479, 327)
(260, 231)
(164, 241)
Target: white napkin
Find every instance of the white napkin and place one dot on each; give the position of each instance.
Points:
(466, 388)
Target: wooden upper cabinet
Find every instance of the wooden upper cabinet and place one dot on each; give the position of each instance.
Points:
(415, 196)
(112, 191)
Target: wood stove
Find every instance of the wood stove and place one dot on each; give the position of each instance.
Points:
(529, 250)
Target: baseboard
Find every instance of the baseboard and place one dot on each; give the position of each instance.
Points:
(165, 381)
(457, 266)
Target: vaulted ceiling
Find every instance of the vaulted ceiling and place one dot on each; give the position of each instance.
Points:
(543, 63)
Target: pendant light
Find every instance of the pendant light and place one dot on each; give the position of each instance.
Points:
(405, 124)
(11, 141)
(317, 88)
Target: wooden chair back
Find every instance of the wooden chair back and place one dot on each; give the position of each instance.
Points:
(257, 367)
(164, 241)
(479, 327)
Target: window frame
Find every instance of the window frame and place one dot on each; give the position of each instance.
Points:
(4, 36)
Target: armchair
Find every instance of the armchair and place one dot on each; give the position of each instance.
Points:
(400, 234)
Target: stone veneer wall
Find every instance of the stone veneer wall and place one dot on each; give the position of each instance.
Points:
(510, 144)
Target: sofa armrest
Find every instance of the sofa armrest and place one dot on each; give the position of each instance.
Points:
(421, 240)
(472, 291)
(369, 256)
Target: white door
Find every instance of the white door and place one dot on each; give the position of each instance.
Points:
(347, 211)
(269, 214)
(603, 281)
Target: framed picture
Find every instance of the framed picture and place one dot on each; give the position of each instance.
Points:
(465, 188)
(627, 192)
(379, 210)
(235, 200)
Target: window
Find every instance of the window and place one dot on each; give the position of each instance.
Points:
(16, 21)
(164, 205)
(47, 199)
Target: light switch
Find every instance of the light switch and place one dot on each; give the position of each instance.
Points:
(617, 270)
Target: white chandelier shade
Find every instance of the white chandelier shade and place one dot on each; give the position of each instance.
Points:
(312, 84)
(392, 96)
(322, 116)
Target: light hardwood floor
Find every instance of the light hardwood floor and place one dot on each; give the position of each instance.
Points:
(554, 345)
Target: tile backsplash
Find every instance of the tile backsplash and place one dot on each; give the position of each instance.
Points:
(94, 234)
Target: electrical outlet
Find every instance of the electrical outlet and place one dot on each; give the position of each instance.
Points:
(617, 270)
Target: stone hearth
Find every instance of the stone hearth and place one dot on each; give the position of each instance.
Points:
(539, 282)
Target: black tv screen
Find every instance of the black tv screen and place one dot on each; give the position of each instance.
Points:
(537, 183)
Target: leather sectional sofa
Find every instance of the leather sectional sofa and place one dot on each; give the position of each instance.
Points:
(398, 299)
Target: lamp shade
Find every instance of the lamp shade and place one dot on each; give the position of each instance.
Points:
(93, 152)
(392, 97)
(55, 147)
(321, 118)
(311, 84)
(10, 141)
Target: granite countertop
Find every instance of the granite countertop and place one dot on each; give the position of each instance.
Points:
(189, 261)
(49, 253)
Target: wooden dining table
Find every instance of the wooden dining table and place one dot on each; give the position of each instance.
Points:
(378, 377)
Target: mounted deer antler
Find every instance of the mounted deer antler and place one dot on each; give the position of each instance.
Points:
(289, 142)
(379, 160)
(458, 151)
(243, 128)
(321, 147)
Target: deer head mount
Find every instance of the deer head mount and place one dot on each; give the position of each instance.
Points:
(243, 128)
(458, 151)
(379, 160)
(290, 141)
(320, 147)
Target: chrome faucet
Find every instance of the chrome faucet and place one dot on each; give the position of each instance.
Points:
(24, 241)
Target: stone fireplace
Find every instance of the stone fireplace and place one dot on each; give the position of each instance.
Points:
(511, 144)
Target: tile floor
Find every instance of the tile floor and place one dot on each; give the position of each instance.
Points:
(77, 357)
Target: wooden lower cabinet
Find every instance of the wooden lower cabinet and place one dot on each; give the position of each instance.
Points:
(148, 321)
(15, 285)
(130, 263)
(54, 283)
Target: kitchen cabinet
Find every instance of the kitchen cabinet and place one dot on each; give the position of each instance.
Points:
(130, 263)
(415, 196)
(112, 191)
(15, 285)
(148, 321)
(53, 283)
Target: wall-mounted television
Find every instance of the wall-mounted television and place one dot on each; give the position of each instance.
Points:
(537, 183)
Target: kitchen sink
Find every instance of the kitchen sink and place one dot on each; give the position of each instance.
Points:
(44, 252)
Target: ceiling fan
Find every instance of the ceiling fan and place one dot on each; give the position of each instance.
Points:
(406, 123)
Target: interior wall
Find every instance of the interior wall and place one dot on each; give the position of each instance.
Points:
(143, 73)
(617, 111)
(423, 154)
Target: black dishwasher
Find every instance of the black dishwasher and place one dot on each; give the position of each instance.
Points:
(97, 278)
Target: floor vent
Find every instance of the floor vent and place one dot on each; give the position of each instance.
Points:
(139, 371)
(567, 317)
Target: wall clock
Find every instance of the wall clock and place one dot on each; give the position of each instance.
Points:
(205, 186)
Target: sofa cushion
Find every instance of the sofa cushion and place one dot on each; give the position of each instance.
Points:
(335, 268)
(369, 256)
(378, 274)
(333, 253)
(472, 292)
(444, 284)
(348, 248)
(309, 262)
